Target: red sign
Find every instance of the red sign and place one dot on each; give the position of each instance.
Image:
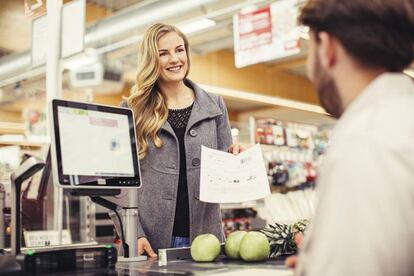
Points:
(255, 29)
(266, 34)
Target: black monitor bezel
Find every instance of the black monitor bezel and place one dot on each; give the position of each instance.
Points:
(111, 182)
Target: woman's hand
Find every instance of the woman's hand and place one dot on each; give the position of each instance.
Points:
(235, 149)
(145, 246)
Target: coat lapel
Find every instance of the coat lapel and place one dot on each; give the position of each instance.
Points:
(167, 127)
(204, 107)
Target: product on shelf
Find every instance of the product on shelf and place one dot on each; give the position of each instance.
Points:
(260, 136)
(279, 135)
(295, 150)
(291, 138)
(237, 219)
(279, 173)
(282, 133)
(292, 152)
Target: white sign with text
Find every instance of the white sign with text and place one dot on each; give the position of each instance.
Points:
(46, 238)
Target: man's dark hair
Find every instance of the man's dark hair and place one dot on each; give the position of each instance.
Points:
(378, 33)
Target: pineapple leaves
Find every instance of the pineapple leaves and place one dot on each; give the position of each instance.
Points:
(281, 237)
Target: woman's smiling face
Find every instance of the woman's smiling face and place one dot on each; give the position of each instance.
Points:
(173, 58)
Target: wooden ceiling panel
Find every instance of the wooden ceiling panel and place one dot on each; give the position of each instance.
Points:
(15, 28)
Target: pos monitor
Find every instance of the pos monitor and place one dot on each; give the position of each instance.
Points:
(93, 146)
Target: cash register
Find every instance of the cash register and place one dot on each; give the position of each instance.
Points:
(93, 153)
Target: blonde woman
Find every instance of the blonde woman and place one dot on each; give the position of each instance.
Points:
(174, 117)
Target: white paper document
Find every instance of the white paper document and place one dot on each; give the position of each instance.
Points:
(229, 178)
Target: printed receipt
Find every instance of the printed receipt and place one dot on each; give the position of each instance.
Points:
(229, 178)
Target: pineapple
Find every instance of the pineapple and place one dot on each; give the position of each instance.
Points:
(282, 237)
(300, 226)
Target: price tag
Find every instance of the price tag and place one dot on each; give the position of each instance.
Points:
(46, 238)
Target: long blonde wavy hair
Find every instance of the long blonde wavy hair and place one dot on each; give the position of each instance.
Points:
(146, 100)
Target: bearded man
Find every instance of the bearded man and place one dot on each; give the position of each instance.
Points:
(364, 220)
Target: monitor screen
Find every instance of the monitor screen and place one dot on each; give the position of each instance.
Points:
(95, 146)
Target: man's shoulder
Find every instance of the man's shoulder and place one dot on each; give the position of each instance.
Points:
(393, 121)
(386, 125)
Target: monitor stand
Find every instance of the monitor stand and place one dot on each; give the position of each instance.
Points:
(129, 220)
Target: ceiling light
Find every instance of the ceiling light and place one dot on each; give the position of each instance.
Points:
(196, 26)
(89, 57)
(264, 99)
(409, 72)
(248, 9)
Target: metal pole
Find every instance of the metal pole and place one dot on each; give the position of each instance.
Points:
(54, 86)
(130, 220)
(16, 221)
(2, 205)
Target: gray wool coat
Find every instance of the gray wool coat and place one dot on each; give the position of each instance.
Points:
(208, 125)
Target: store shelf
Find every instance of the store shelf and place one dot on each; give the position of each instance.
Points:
(286, 189)
(267, 148)
(11, 128)
(242, 205)
(22, 144)
(20, 140)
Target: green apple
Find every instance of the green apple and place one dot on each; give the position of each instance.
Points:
(254, 247)
(232, 245)
(205, 248)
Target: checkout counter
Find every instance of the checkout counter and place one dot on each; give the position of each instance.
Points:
(82, 139)
(222, 266)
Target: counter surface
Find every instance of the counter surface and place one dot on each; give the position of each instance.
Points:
(222, 266)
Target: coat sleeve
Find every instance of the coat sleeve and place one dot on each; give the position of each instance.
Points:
(141, 232)
(224, 139)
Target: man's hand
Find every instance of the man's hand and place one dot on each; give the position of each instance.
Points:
(145, 246)
(292, 260)
(235, 149)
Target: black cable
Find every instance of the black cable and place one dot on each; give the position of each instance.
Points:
(112, 206)
(124, 244)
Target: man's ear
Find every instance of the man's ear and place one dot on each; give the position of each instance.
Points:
(327, 50)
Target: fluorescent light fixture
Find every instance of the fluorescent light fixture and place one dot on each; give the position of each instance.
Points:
(409, 72)
(264, 99)
(78, 62)
(198, 25)
(248, 9)
(90, 56)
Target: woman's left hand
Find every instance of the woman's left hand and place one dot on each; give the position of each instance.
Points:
(235, 149)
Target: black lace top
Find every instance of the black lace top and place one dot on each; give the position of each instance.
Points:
(178, 119)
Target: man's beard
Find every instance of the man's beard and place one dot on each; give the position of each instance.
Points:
(327, 90)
